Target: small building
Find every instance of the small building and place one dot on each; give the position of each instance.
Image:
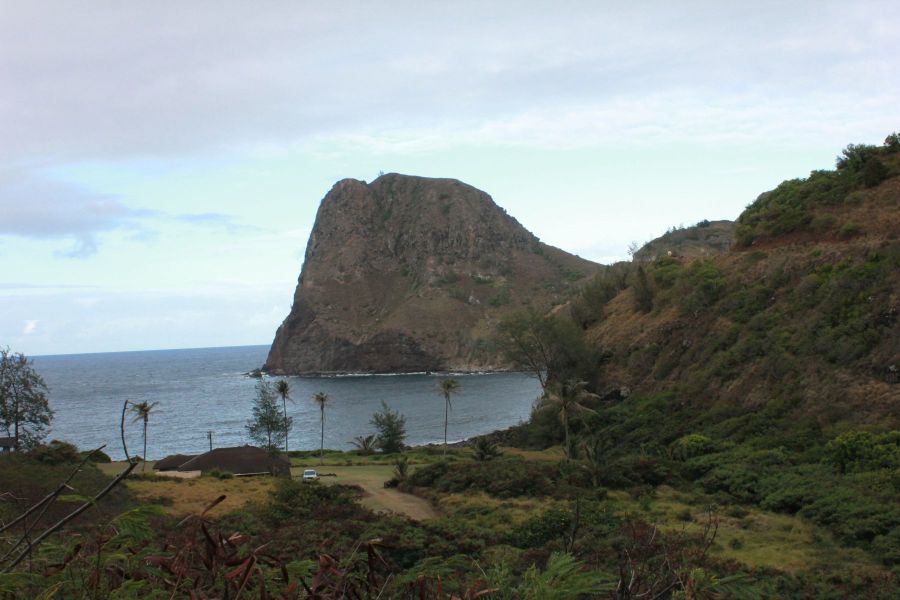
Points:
(172, 462)
(242, 460)
(8, 444)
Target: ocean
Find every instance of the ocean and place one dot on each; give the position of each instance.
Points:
(202, 390)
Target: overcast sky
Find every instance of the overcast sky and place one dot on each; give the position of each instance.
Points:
(161, 162)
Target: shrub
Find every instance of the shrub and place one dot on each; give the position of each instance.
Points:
(504, 478)
(485, 449)
(887, 547)
(874, 172)
(540, 529)
(700, 286)
(98, 456)
(292, 500)
(55, 453)
(692, 445)
(855, 157)
(501, 298)
(849, 230)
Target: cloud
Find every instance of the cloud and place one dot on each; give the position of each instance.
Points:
(214, 220)
(37, 286)
(30, 327)
(172, 88)
(35, 206)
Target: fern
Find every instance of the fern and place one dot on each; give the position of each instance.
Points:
(563, 579)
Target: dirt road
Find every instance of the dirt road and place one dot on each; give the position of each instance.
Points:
(371, 479)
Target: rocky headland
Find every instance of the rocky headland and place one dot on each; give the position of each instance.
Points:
(411, 274)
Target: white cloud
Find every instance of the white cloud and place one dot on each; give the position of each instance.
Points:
(172, 87)
(30, 327)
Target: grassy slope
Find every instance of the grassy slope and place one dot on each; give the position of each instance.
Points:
(754, 538)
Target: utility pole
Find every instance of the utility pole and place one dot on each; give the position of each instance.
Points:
(209, 435)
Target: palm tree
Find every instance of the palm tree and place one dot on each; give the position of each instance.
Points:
(321, 399)
(566, 400)
(447, 387)
(142, 412)
(365, 444)
(401, 468)
(284, 390)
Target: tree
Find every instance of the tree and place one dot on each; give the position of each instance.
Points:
(566, 400)
(892, 142)
(142, 412)
(322, 399)
(550, 346)
(24, 410)
(365, 444)
(854, 157)
(391, 426)
(284, 390)
(267, 425)
(447, 388)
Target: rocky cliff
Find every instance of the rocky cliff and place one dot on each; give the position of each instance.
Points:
(410, 274)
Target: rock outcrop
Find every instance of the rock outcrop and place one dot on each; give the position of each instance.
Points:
(410, 274)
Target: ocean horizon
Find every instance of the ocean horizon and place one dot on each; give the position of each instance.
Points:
(200, 390)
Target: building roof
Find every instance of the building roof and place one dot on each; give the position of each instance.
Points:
(242, 460)
(172, 462)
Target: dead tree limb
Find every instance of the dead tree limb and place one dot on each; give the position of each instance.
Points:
(59, 524)
(52, 495)
(72, 515)
(46, 503)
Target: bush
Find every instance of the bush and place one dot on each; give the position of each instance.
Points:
(551, 524)
(874, 172)
(691, 446)
(56, 453)
(217, 474)
(292, 500)
(887, 547)
(504, 478)
(849, 230)
(700, 286)
(98, 456)
(485, 449)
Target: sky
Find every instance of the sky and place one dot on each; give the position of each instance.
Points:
(161, 162)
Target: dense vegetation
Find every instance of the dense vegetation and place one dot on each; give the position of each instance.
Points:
(791, 207)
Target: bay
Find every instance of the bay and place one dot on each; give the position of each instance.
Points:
(206, 389)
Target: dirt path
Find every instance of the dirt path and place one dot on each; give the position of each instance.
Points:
(371, 479)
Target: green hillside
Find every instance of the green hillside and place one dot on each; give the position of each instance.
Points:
(766, 376)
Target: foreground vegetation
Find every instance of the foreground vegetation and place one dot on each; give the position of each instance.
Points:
(518, 525)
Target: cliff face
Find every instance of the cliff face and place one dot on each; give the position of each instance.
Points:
(410, 274)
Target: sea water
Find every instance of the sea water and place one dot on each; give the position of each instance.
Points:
(207, 390)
